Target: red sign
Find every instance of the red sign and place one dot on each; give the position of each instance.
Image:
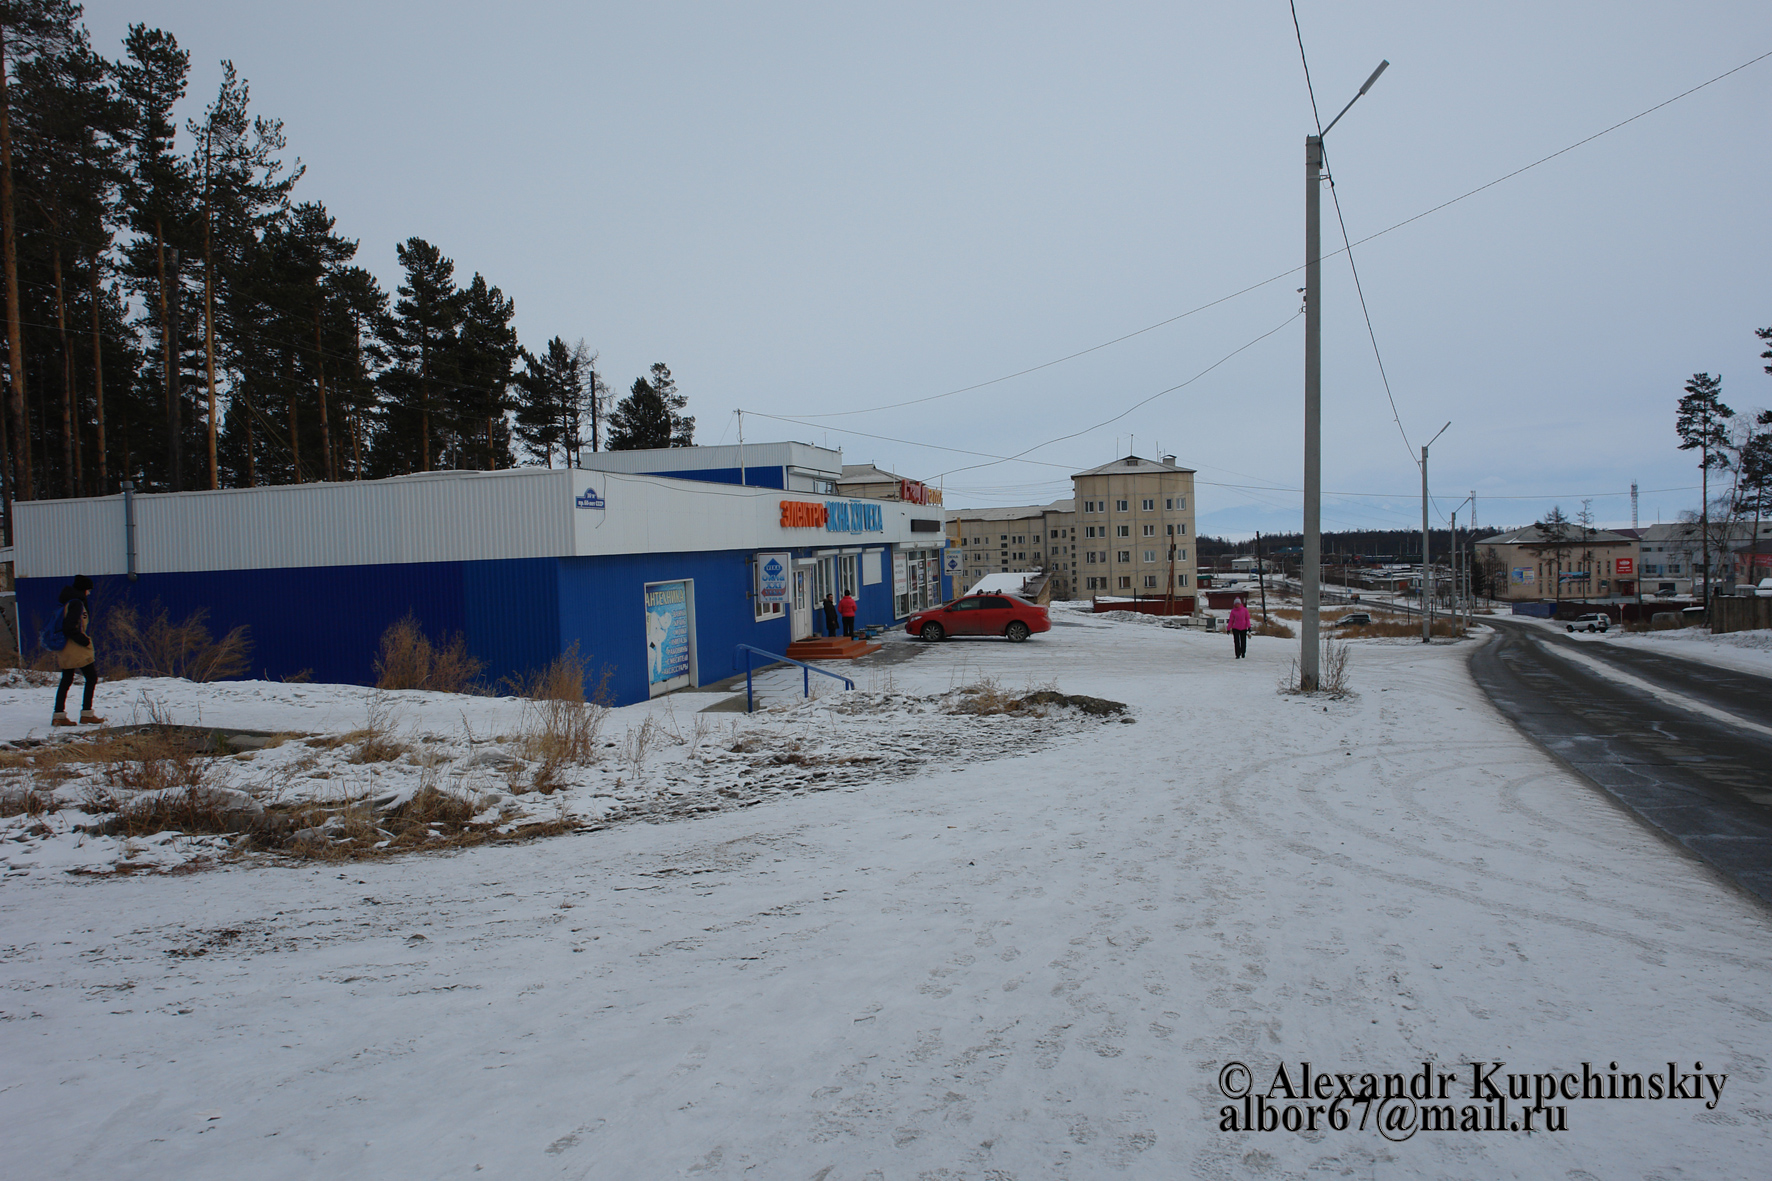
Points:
(802, 514)
(1625, 567)
(913, 492)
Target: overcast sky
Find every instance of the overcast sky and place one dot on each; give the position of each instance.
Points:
(809, 209)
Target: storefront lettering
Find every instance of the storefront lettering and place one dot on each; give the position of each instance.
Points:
(835, 516)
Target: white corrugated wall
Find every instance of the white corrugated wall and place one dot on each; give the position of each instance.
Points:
(440, 517)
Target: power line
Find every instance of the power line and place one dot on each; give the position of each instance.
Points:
(1295, 270)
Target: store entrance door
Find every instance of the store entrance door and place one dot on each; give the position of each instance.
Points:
(802, 611)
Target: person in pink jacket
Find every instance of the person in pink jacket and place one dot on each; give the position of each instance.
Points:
(1239, 623)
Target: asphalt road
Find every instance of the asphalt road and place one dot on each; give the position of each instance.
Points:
(1703, 782)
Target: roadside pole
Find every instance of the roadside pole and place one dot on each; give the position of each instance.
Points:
(1426, 624)
(1313, 416)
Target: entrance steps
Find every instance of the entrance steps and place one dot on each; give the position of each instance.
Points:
(830, 648)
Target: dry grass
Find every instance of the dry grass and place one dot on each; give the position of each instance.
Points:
(559, 728)
(162, 648)
(26, 802)
(1273, 628)
(408, 660)
(1332, 672)
(196, 809)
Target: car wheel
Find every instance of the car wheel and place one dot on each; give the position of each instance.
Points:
(1571, 627)
(933, 632)
(1017, 632)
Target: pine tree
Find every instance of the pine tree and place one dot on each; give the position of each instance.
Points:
(650, 415)
(486, 356)
(1556, 540)
(158, 195)
(1701, 423)
(421, 337)
(241, 189)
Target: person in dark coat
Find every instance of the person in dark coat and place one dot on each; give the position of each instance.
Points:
(830, 616)
(77, 655)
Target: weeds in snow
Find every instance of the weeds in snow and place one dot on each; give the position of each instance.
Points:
(408, 660)
(161, 648)
(1332, 672)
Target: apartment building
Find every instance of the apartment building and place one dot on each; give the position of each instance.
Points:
(1028, 539)
(876, 483)
(1129, 515)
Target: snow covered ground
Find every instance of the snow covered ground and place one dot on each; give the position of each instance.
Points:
(1017, 947)
(1747, 652)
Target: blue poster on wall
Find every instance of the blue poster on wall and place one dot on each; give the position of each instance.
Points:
(667, 632)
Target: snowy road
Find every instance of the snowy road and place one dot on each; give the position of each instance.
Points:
(1687, 746)
(1035, 967)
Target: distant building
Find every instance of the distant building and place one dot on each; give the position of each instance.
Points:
(1029, 539)
(1531, 564)
(864, 479)
(1673, 562)
(792, 467)
(1136, 523)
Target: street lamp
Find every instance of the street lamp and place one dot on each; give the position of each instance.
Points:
(1313, 397)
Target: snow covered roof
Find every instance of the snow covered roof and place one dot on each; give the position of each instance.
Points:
(867, 473)
(1533, 535)
(1132, 464)
(1017, 513)
(1008, 582)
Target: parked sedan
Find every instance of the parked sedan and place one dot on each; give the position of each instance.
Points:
(981, 615)
(1590, 623)
(1356, 619)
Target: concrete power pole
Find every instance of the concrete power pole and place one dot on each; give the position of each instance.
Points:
(1311, 570)
(1426, 575)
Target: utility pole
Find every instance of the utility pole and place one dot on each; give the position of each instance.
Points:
(1426, 621)
(1633, 504)
(1310, 574)
(741, 478)
(1260, 575)
(1309, 650)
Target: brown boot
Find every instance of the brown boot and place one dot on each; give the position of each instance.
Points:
(88, 718)
(61, 719)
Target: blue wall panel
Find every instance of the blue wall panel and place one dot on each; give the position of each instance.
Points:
(754, 477)
(603, 608)
(329, 619)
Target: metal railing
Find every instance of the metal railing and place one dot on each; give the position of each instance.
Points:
(806, 671)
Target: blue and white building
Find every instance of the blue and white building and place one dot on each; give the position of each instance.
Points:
(656, 577)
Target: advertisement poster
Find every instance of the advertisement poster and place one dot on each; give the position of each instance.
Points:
(1523, 575)
(772, 583)
(901, 582)
(667, 632)
(1627, 567)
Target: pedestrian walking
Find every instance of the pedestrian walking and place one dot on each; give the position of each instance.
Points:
(1239, 622)
(847, 610)
(68, 636)
(830, 616)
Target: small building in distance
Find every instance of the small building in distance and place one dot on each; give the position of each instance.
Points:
(1531, 564)
(864, 479)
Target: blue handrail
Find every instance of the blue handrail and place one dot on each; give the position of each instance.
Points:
(805, 676)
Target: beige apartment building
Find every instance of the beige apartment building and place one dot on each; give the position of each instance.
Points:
(1113, 537)
(1129, 513)
(1033, 538)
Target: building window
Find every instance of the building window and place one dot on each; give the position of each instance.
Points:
(1126, 555)
(1169, 504)
(1089, 531)
(1149, 504)
(1150, 580)
(1181, 502)
(1120, 505)
(1150, 530)
(1150, 555)
(1122, 531)
(1125, 582)
(1181, 580)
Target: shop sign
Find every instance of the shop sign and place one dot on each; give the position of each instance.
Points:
(588, 498)
(950, 563)
(772, 578)
(834, 516)
(667, 631)
(913, 492)
(1625, 567)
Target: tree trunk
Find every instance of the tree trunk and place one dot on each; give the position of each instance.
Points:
(168, 350)
(70, 447)
(320, 370)
(15, 340)
(209, 344)
(98, 383)
(357, 410)
(251, 460)
(424, 393)
(294, 435)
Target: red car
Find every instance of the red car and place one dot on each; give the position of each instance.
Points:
(981, 615)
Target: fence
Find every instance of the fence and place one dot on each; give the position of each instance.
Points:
(1732, 614)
